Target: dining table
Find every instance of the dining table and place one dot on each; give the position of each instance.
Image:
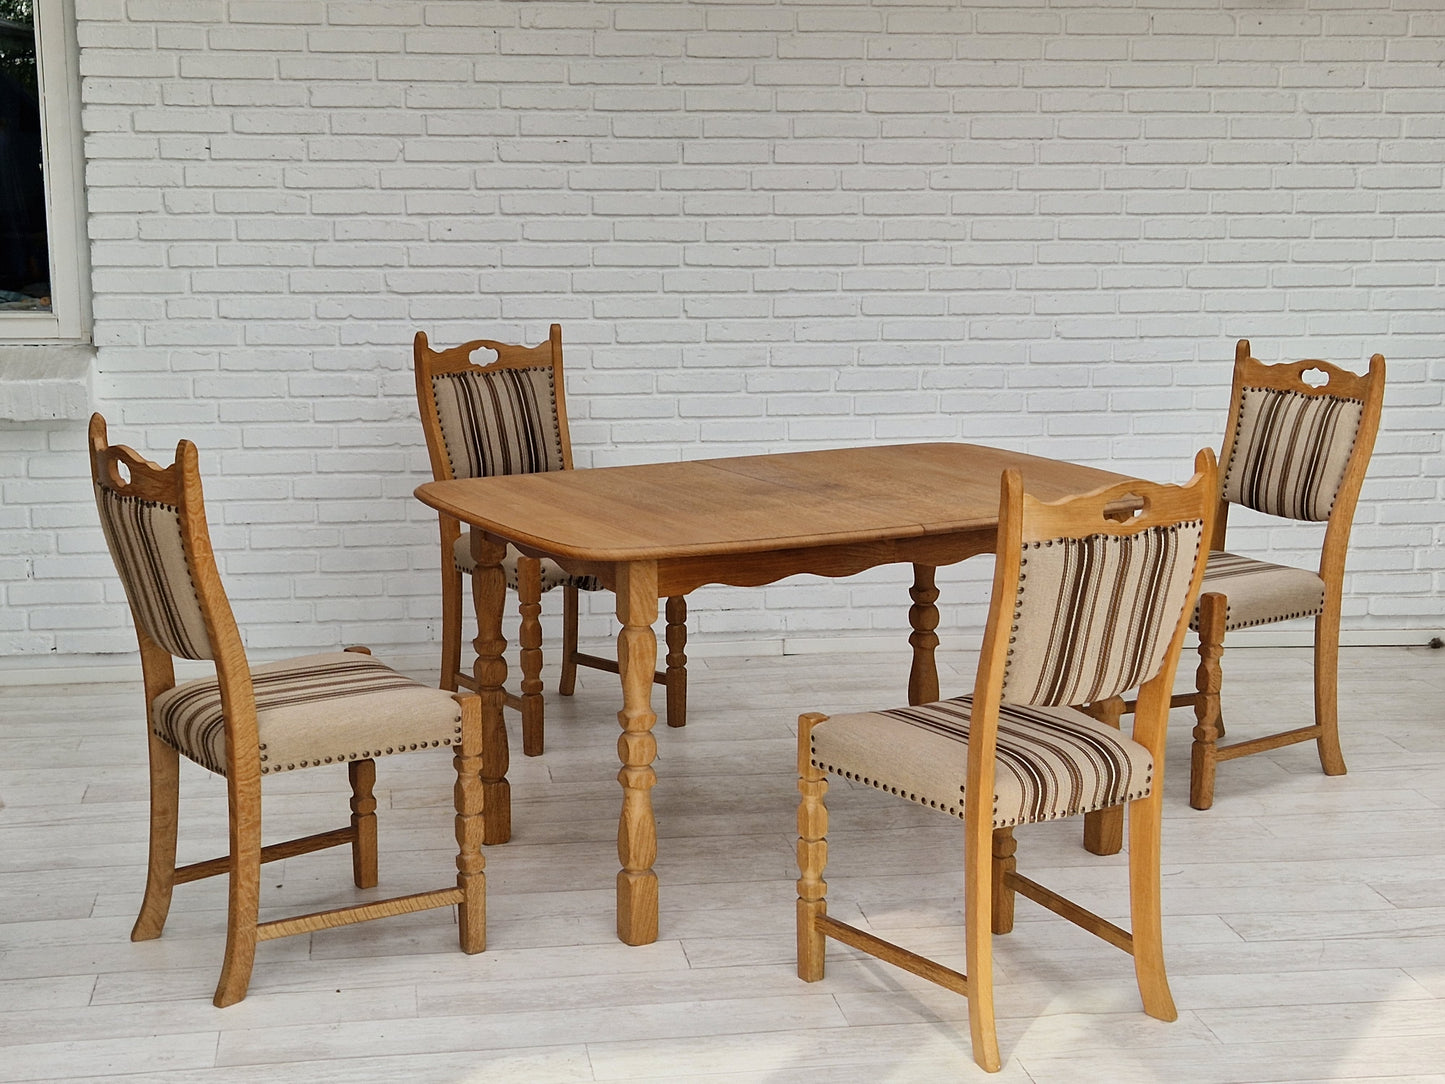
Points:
(659, 530)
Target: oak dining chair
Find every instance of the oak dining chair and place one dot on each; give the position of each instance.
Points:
(1091, 597)
(250, 721)
(509, 416)
(1296, 447)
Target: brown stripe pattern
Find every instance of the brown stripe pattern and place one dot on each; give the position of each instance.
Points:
(318, 709)
(1050, 762)
(1093, 616)
(502, 421)
(1260, 593)
(144, 538)
(1289, 452)
(553, 574)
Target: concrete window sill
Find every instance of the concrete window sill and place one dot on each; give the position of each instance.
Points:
(46, 383)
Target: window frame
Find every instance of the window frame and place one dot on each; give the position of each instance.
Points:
(57, 60)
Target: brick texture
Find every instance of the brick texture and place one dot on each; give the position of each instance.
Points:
(764, 226)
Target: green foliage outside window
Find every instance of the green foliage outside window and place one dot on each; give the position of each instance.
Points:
(17, 42)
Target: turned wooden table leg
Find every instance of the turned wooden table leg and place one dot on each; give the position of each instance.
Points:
(489, 594)
(1212, 610)
(637, 748)
(1104, 828)
(923, 617)
(529, 637)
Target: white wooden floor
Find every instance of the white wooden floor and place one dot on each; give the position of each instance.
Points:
(1304, 916)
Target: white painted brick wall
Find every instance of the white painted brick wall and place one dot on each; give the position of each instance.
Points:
(763, 225)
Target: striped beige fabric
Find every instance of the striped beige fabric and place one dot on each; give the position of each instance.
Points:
(318, 709)
(1289, 452)
(1093, 616)
(553, 575)
(1050, 763)
(145, 543)
(1260, 593)
(499, 422)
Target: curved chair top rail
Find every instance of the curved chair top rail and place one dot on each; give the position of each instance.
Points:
(509, 355)
(128, 473)
(1121, 509)
(1290, 375)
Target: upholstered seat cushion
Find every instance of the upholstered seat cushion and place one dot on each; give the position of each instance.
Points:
(553, 575)
(1260, 593)
(318, 709)
(1050, 763)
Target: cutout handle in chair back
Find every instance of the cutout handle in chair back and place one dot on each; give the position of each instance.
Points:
(1294, 434)
(1094, 614)
(140, 512)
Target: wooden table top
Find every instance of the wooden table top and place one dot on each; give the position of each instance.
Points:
(753, 504)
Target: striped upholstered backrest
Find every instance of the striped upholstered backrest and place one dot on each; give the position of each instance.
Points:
(1094, 616)
(1288, 452)
(499, 421)
(144, 537)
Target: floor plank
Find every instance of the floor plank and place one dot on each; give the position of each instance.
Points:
(1305, 934)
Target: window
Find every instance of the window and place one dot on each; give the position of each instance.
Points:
(43, 264)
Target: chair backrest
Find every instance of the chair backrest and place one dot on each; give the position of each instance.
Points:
(1092, 593)
(155, 526)
(154, 519)
(1295, 449)
(507, 416)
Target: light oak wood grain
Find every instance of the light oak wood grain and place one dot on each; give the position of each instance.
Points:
(664, 529)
